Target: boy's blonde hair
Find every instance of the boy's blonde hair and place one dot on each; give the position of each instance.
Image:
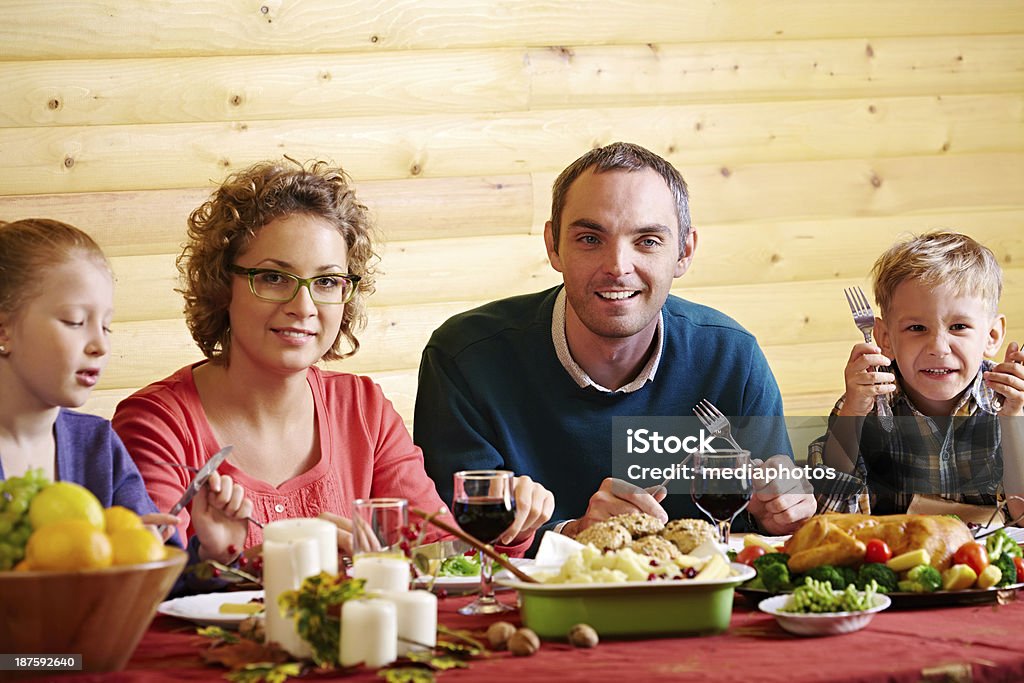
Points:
(939, 258)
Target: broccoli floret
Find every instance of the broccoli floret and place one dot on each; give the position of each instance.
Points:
(849, 576)
(755, 584)
(883, 576)
(999, 543)
(775, 577)
(923, 578)
(832, 575)
(769, 559)
(773, 570)
(1005, 563)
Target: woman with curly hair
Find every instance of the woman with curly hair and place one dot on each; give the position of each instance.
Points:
(275, 273)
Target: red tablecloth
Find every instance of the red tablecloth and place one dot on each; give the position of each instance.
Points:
(980, 643)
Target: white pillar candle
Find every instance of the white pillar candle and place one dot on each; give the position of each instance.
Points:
(323, 532)
(382, 572)
(416, 612)
(369, 633)
(285, 565)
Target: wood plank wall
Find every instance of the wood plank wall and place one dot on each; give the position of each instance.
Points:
(812, 134)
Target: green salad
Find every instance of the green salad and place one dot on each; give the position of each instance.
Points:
(462, 565)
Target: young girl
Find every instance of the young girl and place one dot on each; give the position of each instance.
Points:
(56, 306)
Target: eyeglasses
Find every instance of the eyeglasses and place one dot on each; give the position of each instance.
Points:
(281, 287)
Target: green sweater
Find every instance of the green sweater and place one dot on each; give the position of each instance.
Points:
(493, 395)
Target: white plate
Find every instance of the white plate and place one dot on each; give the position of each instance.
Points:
(204, 609)
(823, 623)
(465, 584)
(736, 540)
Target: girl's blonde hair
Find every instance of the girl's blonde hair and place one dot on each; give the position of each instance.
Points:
(223, 226)
(30, 246)
(939, 258)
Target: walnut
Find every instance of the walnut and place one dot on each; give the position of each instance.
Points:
(523, 643)
(499, 633)
(253, 628)
(583, 635)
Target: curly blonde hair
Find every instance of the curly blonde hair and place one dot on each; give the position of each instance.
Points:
(224, 225)
(938, 258)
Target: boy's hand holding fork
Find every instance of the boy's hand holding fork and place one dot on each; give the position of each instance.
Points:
(866, 377)
(1007, 380)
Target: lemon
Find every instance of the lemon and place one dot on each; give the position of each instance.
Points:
(65, 500)
(68, 545)
(134, 546)
(119, 517)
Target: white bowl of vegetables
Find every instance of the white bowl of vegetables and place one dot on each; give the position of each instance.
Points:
(814, 609)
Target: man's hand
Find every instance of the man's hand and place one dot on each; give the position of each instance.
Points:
(782, 504)
(1007, 380)
(534, 506)
(618, 497)
(220, 516)
(861, 385)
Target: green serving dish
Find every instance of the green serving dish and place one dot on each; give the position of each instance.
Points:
(641, 609)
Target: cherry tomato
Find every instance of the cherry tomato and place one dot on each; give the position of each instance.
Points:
(973, 555)
(877, 551)
(749, 554)
(1018, 562)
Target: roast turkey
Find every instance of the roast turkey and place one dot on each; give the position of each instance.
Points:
(840, 539)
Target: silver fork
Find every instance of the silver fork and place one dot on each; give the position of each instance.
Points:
(864, 319)
(715, 422)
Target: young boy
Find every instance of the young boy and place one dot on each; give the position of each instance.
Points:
(938, 295)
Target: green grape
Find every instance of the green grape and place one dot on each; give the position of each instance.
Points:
(16, 496)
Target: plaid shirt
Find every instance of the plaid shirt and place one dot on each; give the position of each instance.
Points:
(957, 458)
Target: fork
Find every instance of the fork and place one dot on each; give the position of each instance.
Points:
(715, 422)
(864, 319)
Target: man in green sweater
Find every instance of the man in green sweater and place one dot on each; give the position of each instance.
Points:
(532, 383)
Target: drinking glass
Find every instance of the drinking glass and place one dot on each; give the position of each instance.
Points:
(378, 525)
(721, 486)
(484, 507)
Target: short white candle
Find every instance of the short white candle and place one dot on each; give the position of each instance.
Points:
(417, 619)
(285, 565)
(369, 633)
(382, 572)
(323, 532)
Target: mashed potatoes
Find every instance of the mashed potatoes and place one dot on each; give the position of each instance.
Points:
(590, 565)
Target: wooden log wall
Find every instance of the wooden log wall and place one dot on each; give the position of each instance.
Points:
(812, 134)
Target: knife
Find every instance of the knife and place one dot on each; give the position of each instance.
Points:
(202, 476)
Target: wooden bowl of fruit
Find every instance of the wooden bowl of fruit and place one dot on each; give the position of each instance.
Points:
(98, 613)
(77, 578)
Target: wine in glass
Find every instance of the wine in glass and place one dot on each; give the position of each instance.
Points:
(484, 506)
(721, 486)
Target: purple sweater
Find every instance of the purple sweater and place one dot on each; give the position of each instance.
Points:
(91, 454)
